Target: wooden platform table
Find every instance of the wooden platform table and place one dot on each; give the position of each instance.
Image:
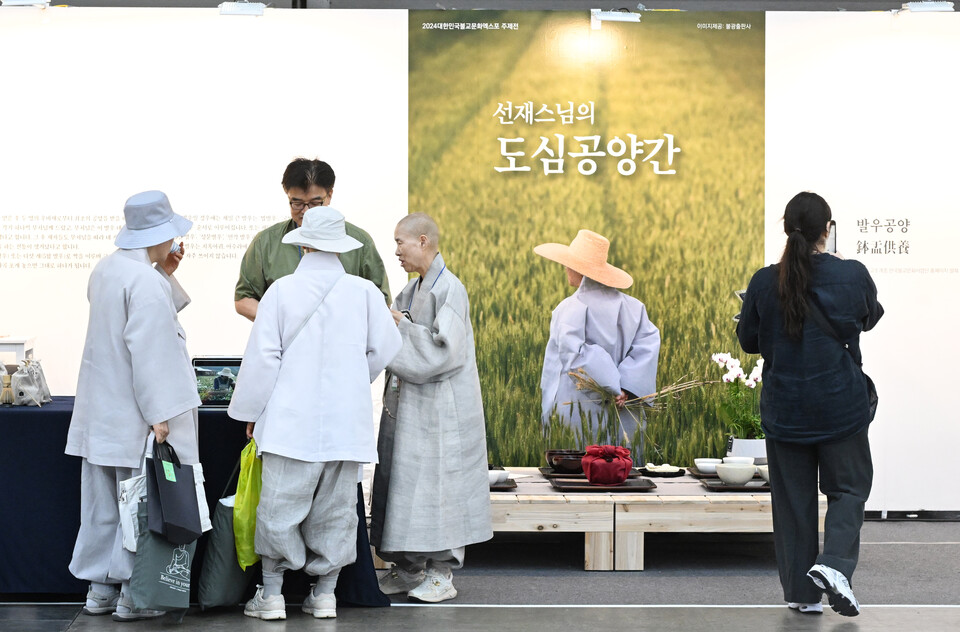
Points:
(614, 524)
(535, 506)
(682, 505)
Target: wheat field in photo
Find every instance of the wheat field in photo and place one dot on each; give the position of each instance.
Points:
(689, 239)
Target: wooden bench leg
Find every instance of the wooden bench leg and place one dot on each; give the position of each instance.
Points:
(377, 562)
(598, 551)
(629, 551)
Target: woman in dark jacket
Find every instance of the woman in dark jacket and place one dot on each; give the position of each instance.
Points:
(814, 404)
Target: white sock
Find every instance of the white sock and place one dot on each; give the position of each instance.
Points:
(272, 583)
(103, 589)
(326, 584)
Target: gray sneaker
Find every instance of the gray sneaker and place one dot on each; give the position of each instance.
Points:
(270, 608)
(835, 584)
(98, 604)
(434, 588)
(398, 581)
(127, 612)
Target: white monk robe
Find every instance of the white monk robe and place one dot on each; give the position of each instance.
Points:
(136, 370)
(607, 334)
(431, 491)
(311, 399)
(135, 373)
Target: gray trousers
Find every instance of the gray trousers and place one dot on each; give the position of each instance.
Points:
(98, 555)
(846, 474)
(307, 516)
(415, 561)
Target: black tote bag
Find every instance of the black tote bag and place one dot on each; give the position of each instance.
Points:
(172, 509)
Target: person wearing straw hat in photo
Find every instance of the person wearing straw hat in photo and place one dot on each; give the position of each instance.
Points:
(598, 329)
(224, 380)
(135, 376)
(321, 337)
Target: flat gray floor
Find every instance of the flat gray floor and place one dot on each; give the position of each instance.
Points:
(908, 579)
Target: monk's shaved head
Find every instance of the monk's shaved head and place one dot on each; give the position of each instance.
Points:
(416, 224)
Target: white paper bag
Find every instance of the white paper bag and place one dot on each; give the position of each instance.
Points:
(132, 492)
(205, 524)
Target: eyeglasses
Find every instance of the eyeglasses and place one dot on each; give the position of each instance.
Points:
(299, 205)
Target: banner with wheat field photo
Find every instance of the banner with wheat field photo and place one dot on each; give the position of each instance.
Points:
(526, 127)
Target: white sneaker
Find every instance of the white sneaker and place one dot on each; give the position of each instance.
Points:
(267, 608)
(436, 587)
(322, 606)
(398, 581)
(98, 604)
(806, 608)
(127, 612)
(837, 588)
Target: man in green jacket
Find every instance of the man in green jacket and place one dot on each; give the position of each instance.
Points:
(307, 183)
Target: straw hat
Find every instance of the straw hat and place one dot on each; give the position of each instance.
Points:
(150, 221)
(225, 372)
(323, 229)
(587, 254)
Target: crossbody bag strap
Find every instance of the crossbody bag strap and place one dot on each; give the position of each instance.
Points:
(309, 316)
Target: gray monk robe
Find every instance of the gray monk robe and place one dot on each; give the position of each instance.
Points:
(431, 491)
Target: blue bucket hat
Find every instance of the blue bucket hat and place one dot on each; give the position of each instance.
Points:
(150, 221)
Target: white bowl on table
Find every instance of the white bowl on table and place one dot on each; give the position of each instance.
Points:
(707, 466)
(748, 460)
(736, 473)
(764, 472)
(498, 476)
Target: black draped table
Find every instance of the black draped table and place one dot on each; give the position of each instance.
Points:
(40, 503)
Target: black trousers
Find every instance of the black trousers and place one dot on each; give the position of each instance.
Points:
(846, 474)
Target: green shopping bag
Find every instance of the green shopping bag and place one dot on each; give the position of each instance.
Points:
(245, 505)
(161, 570)
(222, 581)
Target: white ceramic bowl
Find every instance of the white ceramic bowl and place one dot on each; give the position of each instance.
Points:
(747, 460)
(736, 473)
(707, 466)
(497, 476)
(764, 472)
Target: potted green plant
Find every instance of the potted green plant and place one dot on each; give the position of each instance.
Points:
(740, 406)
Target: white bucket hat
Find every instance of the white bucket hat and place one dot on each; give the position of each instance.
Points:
(150, 221)
(225, 372)
(323, 229)
(587, 254)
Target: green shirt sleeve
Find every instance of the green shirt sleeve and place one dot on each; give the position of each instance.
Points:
(252, 282)
(365, 262)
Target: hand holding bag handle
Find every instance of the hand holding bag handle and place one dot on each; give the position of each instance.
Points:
(814, 310)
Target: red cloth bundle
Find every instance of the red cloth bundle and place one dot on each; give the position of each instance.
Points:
(607, 464)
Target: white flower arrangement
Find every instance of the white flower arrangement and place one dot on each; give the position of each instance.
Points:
(739, 406)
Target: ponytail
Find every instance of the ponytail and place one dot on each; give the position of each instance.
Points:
(804, 221)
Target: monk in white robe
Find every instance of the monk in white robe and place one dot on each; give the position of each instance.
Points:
(600, 330)
(135, 376)
(321, 336)
(431, 491)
